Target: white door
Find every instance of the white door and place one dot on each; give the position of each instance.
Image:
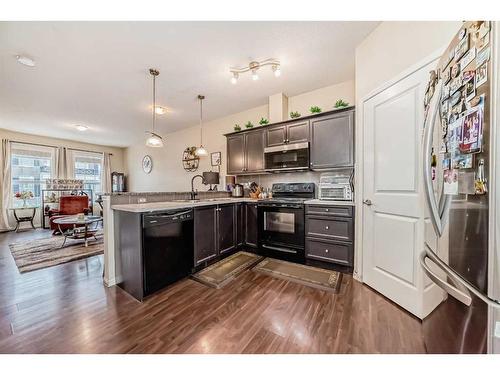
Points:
(393, 206)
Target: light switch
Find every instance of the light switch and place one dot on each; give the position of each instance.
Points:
(497, 330)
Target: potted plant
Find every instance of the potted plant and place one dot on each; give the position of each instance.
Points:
(315, 109)
(24, 195)
(294, 114)
(341, 104)
(249, 125)
(237, 127)
(263, 121)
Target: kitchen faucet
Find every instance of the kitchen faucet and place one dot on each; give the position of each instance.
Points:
(194, 193)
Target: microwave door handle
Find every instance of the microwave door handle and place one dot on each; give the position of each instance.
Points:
(427, 154)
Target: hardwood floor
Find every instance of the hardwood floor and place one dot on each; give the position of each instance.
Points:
(67, 309)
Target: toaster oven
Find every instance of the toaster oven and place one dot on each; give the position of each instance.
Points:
(336, 187)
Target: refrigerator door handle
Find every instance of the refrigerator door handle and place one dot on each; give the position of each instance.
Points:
(457, 279)
(461, 294)
(439, 211)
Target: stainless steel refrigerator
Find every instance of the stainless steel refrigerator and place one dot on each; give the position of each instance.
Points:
(459, 181)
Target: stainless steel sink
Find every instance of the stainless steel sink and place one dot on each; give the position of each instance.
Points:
(201, 200)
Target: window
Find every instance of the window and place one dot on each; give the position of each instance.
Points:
(31, 166)
(87, 167)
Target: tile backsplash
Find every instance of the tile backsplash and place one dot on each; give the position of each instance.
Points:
(267, 180)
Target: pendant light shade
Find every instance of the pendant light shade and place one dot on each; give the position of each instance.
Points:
(201, 151)
(154, 140)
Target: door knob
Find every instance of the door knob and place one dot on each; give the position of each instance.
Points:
(367, 202)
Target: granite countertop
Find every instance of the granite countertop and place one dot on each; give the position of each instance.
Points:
(169, 205)
(329, 203)
(134, 193)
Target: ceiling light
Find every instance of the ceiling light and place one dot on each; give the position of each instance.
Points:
(81, 128)
(160, 110)
(154, 140)
(201, 151)
(234, 78)
(276, 70)
(253, 67)
(25, 60)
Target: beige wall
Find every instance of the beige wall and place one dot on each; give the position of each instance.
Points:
(395, 46)
(117, 161)
(324, 98)
(168, 174)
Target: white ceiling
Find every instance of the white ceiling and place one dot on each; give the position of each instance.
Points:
(96, 73)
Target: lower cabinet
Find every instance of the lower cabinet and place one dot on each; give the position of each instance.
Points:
(226, 230)
(205, 234)
(251, 225)
(215, 231)
(330, 234)
(240, 224)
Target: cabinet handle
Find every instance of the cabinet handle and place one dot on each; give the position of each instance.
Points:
(327, 210)
(327, 227)
(326, 250)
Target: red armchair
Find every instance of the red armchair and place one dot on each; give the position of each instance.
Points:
(68, 205)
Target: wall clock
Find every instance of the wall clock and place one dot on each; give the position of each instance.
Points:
(147, 164)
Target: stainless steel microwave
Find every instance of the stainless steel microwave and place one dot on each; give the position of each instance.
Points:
(287, 157)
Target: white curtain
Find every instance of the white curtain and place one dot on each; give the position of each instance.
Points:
(5, 186)
(106, 173)
(61, 164)
(70, 163)
(64, 163)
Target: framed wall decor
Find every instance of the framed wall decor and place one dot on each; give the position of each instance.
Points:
(147, 164)
(215, 158)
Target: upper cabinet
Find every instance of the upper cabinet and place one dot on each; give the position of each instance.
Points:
(294, 132)
(330, 136)
(332, 141)
(245, 152)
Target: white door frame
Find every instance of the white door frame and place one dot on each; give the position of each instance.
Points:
(359, 147)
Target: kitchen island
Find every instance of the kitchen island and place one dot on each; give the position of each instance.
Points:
(157, 243)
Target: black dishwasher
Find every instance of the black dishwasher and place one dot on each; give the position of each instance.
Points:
(168, 253)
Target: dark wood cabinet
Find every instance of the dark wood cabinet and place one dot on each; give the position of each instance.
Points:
(240, 223)
(332, 141)
(236, 154)
(251, 225)
(245, 152)
(205, 234)
(330, 136)
(294, 132)
(226, 230)
(254, 151)
(297, 132)
(276, 135)
(330, 234)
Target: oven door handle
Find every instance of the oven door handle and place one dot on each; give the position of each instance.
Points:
(282, 249)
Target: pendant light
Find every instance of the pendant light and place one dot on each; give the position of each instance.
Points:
(154, 140)
(201, 151)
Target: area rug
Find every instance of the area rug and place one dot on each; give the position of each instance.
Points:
(306, 275)
(45, 252)
(219, 274)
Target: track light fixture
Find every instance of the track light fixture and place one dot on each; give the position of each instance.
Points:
(253, 67)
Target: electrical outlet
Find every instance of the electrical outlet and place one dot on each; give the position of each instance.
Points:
(142, 200)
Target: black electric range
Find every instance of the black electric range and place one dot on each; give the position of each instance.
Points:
(281, 221)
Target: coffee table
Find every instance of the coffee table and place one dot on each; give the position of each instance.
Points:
(82, 228)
